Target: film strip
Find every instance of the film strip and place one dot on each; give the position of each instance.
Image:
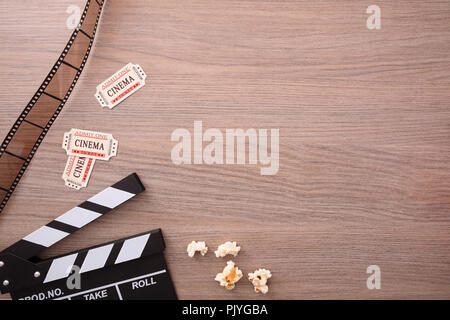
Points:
(33, 123)
(130, 268)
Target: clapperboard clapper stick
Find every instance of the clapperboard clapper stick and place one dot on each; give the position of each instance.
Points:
(130, 268)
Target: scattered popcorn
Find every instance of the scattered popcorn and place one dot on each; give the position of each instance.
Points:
(227, 248)
(259, 280)
(195, 246)
(229, 276)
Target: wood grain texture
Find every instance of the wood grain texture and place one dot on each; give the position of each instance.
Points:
(364, 123)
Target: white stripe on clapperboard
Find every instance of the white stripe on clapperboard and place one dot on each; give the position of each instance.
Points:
(116, 284)
(111, 197)
(46, 236)
(132, 248)
(97, 257)
(60, 268)
(78, 217)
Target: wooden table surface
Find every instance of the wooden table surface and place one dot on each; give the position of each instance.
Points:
(364, 119)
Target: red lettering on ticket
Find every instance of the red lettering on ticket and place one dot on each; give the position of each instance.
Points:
(120, 85)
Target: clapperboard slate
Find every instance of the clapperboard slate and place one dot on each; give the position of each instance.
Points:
(126, 269)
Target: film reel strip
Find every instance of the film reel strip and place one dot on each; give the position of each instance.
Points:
(33, 123)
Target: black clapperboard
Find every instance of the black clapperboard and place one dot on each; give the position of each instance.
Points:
(132, 268)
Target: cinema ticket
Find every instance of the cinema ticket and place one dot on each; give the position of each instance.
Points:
(91, 144)
(78, 171)
(120, 85)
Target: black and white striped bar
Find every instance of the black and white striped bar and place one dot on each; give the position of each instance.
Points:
(130, 268)
(78, 217)
(104, 256)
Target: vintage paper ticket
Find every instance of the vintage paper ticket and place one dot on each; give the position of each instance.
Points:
(77, 171)
(91, 144)
(120, 85)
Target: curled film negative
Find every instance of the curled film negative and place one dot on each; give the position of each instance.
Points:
(33, 123)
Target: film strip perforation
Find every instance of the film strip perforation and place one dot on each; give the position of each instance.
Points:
(41, 90)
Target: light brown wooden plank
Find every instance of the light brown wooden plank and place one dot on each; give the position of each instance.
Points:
(364, 138)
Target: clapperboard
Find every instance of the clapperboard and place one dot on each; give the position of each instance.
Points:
(133, 268)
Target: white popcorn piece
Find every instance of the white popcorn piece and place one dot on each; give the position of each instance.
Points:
(227, 248)
(229, 276)
(259, 280)
(195, 246)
